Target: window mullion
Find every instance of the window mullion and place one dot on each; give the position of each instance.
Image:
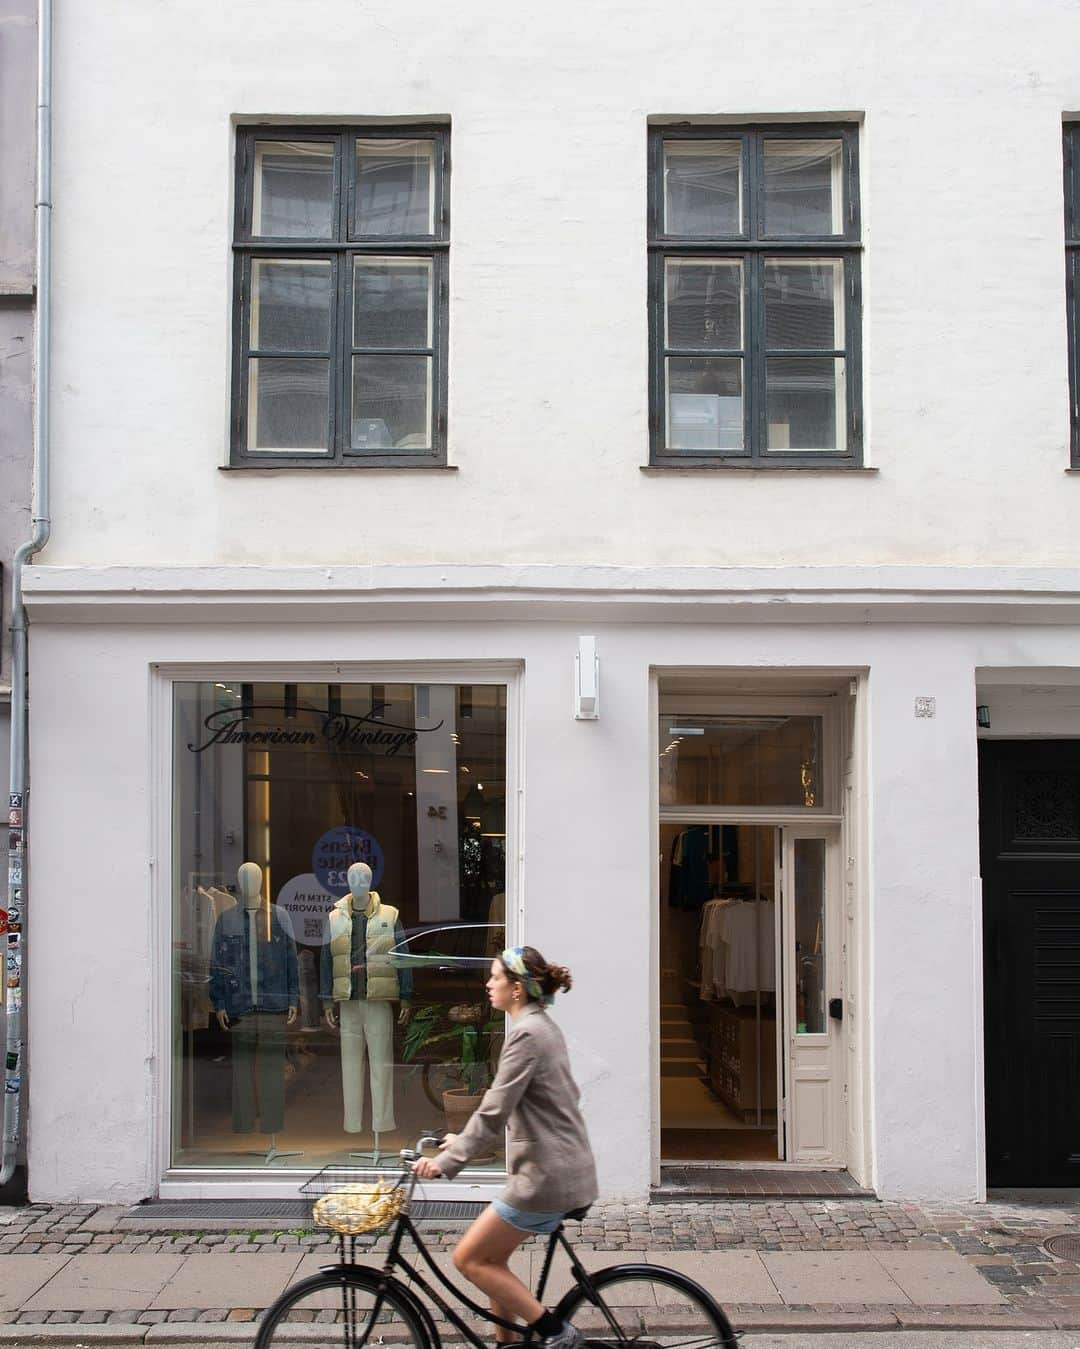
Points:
(755, 357)
(339, 363)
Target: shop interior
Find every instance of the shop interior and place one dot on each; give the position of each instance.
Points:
(282, 790)
(721, 943)
(718, 1051)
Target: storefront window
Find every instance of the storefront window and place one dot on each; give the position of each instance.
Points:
(751, 761)
(339, 882)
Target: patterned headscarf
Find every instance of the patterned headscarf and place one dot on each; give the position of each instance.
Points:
(514, 959)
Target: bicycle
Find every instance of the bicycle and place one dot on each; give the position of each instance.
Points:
(644, 1306)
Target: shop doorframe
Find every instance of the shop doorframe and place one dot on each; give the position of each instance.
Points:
(259, 1182)
(844, 751)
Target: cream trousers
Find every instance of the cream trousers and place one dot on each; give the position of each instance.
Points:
(367, 1041)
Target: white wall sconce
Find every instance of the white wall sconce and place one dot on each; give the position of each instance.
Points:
(587, 680)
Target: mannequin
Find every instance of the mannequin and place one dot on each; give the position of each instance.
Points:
(255, 994)
(358, 978)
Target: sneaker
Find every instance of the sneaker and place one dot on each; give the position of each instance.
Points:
(566, 1338)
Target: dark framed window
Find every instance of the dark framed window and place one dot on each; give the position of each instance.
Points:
(754, 285)
(1072, 279)
(340, 296)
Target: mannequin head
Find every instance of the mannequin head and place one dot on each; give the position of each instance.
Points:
(359, 878)
(249, 882)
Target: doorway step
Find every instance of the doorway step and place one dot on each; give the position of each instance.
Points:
(680, 1051)
(681, 1183)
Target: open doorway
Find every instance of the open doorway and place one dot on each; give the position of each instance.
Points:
(718, 992)
(751, 943)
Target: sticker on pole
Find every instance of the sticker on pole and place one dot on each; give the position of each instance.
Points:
(337, 850)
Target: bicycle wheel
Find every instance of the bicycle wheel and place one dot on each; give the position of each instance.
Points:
(345, 1309)
(648, 1306)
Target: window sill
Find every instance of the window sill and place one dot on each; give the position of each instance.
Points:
(662, 470)
(321, 466)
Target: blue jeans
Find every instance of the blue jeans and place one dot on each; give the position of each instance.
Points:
(535, 1223)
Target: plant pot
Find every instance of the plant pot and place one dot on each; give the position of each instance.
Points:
(459, 1103)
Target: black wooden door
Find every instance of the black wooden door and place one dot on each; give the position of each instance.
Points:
(1029, 805)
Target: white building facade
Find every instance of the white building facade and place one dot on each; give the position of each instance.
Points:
(397, 354)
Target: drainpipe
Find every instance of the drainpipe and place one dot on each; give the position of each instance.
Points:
(14, 1062)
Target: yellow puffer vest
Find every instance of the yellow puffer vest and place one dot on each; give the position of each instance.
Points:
(382, 980)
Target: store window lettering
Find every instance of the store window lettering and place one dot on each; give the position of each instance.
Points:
(237, 726)
(299, 976)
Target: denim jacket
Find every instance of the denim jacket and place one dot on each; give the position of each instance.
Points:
(230, 969)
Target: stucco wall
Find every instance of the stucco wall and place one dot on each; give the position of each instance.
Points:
(966, 391)
(97, 1040)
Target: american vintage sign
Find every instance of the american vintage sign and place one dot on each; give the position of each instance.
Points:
(370, 733)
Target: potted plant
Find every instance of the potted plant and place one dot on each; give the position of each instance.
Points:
(468, 1039)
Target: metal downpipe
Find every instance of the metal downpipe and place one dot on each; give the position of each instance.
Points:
(42, 527)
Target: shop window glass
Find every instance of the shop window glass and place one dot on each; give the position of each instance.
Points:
(294, 805)
(753, 761)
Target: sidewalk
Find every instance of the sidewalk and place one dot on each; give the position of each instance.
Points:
(83, 1273)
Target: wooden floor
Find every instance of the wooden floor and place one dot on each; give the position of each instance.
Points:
(718, 1145)
(719, 1182)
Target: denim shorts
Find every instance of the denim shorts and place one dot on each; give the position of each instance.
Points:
(526, 1222)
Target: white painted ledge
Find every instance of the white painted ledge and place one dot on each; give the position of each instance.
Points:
(551, 591)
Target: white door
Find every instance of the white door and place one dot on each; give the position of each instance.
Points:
(810, 978)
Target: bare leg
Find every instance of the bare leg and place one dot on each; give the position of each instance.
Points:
(482, 1255)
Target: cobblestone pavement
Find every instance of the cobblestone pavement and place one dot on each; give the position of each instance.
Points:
(1003, 1242)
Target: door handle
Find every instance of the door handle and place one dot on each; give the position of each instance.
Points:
(836, 1009)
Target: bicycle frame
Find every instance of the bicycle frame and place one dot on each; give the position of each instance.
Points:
(395, 1261)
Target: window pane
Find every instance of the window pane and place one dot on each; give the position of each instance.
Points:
(395, 187)
(391, 403)
(288, 404)
(392, 302)
(294, 190)
(805, 398)
(810, 936)
(704, 303)
(710, 760)
(704, 403)
(804, 303)
(803, 187)
(702, 187)
(290, 305)
(278, 791)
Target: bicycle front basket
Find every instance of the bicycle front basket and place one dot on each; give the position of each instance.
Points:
(360, 1207)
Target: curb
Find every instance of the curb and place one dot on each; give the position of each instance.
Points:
(229, 1335)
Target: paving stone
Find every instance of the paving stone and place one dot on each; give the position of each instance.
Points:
(940, 1278)
(222, 1280)
(109, 1282)
(21, 1276)
(831, 1276)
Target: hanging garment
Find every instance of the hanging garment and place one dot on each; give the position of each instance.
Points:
(713, 950)
(367, 1043)
(194, 946)
(750, 947)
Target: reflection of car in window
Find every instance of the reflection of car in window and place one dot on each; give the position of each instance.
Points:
(449, 960)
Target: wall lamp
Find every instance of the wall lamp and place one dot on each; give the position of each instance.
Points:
(982, 716)
(587, 680)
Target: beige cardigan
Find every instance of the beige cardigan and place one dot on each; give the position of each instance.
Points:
(547, 1149)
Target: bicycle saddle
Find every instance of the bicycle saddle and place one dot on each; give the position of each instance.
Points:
(578, 1213)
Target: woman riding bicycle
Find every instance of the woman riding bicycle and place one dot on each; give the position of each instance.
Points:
(548, 1155)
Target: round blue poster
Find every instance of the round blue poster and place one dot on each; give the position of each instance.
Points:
(338, 849)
